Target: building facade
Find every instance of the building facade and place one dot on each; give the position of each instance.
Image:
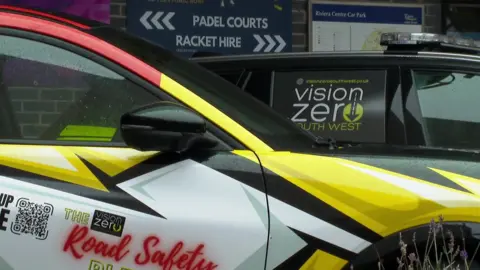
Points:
(433, 18)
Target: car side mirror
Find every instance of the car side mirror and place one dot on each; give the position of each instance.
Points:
(165, 127)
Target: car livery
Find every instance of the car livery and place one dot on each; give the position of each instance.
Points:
(259, 200)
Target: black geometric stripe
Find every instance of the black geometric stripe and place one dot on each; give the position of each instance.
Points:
(243, 170)
(313, 244)
(293, 195)
(116, 195)
(153, 163)
(325, 246)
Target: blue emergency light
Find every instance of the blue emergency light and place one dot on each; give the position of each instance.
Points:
(402, 38)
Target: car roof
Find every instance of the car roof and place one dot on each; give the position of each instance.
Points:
(283, 55)
(265, 57)
(58, 17)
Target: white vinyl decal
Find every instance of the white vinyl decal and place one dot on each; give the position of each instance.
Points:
(212, 222)
(191, 192)
(294, 218)
(53, 226)
(316, 227)
(212, 203)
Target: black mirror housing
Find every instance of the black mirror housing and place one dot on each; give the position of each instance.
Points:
(164, 126)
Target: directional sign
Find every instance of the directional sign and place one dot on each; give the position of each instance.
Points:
(222, 26)
(279, 43)
(146, 19)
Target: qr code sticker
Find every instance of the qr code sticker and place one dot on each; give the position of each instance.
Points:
(32, 218)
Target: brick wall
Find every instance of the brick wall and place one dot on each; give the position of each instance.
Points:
(36, 108)
(300, 17)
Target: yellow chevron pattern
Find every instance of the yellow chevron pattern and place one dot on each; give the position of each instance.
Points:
(384, 201)
(63, 163)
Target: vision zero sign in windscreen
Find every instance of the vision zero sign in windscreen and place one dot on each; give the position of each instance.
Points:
(345, 105)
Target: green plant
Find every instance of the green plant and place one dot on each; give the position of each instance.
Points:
(447, 254)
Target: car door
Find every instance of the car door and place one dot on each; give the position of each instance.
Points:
(74, 196)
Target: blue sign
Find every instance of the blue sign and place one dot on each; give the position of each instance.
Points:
(221, 26)
(367, 14)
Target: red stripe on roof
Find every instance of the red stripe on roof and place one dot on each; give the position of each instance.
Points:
(46, 15)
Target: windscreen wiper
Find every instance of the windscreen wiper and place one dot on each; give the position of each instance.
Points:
(330, 142)
(320, 141)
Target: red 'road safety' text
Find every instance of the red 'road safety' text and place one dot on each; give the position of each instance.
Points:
(80, 243)
(176, 258)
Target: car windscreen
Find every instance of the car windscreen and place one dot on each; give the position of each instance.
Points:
(258, 118)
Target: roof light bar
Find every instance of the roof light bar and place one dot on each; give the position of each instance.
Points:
(400, 38)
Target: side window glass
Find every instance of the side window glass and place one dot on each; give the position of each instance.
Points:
(55, 94)
(448, 104)
(347, 105)
(259, 85)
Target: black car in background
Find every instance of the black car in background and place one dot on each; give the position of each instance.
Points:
(423, 89)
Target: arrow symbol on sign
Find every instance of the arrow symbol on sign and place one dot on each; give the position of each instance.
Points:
(260, 41)
(281, 42)
(144, 18)
(354, 114)
(271, 43)
(353, 110)
(166, 20)
(155, 20)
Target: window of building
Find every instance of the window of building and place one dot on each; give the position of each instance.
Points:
(449, 107)
(54, 94)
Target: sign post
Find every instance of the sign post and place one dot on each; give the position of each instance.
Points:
(356, 26)
(220, 26)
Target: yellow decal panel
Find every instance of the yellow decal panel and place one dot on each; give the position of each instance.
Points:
(87, 133)
(384, 201)
(51, 161)
(213, 114)
(63, 163)
(246, 154)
